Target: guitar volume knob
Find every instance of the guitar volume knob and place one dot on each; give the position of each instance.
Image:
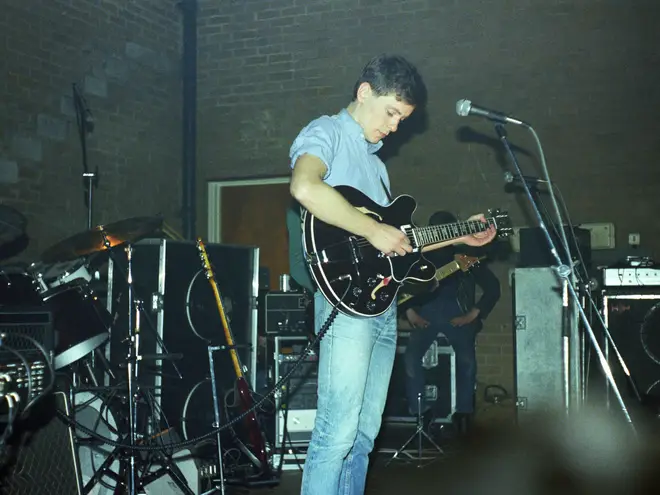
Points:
(384, 296)
(357, 291)
(371, 282)
(371, 305)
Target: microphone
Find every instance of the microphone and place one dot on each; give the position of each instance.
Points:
(509, 178)
(465, 108)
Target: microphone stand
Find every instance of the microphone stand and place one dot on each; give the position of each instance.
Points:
(90, 179)
(567, 277)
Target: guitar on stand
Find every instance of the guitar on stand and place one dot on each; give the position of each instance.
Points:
(359, 280)
(257, 452)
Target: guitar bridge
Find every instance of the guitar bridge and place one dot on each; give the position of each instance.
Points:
(313, 259)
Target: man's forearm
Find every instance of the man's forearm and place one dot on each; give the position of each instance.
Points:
(438, 245)
(330, 206)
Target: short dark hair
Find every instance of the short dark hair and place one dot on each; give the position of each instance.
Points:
(393, 74)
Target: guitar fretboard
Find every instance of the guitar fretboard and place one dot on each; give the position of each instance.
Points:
(439, 233)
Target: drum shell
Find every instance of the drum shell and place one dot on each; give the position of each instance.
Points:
(81, 321)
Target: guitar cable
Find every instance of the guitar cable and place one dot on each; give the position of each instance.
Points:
(193, 441)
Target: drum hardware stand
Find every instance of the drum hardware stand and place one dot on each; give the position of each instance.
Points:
(420, 434)
(166, 355)
(565, 274)
(135, 309)
(132, 371)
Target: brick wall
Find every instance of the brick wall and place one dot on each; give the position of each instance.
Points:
(585, 73)
(125, 58)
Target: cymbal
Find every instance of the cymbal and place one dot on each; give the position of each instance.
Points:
(93, 241)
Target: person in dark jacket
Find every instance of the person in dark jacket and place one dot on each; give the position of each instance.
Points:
(453, 310)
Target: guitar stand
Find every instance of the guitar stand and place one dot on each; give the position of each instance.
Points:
(216, 419)
(169, 468)
(420, 434)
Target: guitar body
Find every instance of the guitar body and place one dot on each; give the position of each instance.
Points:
(252, 423)
(347, 266)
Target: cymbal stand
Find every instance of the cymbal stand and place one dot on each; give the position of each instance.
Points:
(132, 371)
(150, 323)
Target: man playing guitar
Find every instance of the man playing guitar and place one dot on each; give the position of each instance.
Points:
(356, 355)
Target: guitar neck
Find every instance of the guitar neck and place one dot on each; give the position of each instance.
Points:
(446, 270)
(433, 234)
(225, 326)
(443, 272)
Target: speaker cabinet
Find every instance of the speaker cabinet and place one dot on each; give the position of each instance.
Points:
(633, 319)
(40, 457)
(539, 363)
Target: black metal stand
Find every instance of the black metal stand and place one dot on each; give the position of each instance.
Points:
(128, 481)
(90, 184)
(566, 276)
(85, 126)
(216, 419)
(419, 434)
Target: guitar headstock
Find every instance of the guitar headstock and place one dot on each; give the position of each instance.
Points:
(206, 264)
(502, 222)
(466, 262)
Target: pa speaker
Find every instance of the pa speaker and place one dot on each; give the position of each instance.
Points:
(40, 456)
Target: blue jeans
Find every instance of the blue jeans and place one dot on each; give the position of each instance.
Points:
(355, 364)
(438, 313)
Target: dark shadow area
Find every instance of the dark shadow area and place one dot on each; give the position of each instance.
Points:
(13, 239)
(416, 124)
(14, 247)
(467, 134)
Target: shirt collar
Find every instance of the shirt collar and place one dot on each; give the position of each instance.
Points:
(355, 130)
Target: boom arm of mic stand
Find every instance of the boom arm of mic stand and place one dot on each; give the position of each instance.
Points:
(564, 272)
(501, 132)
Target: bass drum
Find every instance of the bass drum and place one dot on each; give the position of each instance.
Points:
(93, 413)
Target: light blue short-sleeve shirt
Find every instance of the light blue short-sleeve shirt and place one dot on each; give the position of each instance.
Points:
(351, 160)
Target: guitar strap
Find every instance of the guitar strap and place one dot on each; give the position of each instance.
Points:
(387, 192)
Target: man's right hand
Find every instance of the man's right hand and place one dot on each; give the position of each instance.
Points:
(389, 240)
(416, 321)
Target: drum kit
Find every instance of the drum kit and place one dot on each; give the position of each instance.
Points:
(62, 281)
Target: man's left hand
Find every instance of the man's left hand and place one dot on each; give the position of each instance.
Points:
(480, 238)
(465, 319)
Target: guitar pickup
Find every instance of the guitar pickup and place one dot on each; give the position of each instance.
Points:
(356, 255)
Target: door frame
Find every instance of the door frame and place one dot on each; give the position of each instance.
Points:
(214, 205)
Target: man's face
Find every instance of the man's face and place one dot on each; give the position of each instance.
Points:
(379, 115)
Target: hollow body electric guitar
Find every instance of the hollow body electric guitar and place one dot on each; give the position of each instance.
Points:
(255, 432)
(357, 278)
